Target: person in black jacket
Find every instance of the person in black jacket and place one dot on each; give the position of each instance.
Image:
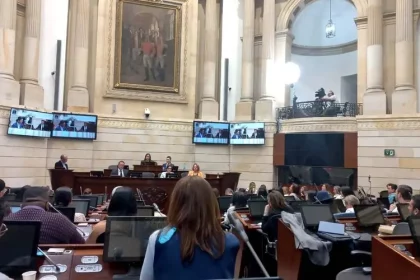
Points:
(276, 205)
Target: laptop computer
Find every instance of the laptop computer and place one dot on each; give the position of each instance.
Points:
(289, 198)
(369, 216)
(313, 214)
(403, 210)
(256, 209)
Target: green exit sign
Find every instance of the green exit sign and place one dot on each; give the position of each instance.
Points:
(389, 152)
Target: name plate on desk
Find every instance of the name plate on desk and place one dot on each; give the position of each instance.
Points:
(88, 268)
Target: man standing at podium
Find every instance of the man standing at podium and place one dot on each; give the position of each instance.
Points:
(62, 163)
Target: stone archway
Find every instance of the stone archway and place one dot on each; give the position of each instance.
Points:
(288, 10)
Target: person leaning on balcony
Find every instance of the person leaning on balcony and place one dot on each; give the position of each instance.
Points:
(330, 96)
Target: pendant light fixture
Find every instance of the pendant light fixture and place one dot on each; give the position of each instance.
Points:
(330, 27)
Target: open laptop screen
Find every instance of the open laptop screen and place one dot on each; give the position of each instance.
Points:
(312, 215)
(369, 215)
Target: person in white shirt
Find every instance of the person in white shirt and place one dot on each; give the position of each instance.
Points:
(330, 96)
(120, 170)
(404, 194)
(337, 192)
(349, 202)
(168, 171)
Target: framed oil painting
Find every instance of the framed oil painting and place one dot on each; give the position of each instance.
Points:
(147, 46)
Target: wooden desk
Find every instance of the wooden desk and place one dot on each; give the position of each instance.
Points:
(246, 222)
(74, 259)
(288, 257)
(389, 263)
(352, 222)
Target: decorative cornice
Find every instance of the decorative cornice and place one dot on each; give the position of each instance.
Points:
(324, 50)
(324, 124)
(388, 122)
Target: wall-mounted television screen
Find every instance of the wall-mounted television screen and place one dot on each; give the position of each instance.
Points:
(29, 123)
(247, 133)
(74, 126)
(210, 133)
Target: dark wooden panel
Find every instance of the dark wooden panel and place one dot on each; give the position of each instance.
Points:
(278, 149)
(350, 150)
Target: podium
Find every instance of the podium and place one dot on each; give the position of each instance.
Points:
(61, 178)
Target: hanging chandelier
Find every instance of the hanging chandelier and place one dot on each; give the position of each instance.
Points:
(330, 27)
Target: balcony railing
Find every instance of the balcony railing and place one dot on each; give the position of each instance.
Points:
(313, 109)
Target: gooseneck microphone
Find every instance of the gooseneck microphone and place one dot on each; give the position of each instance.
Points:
(56, 210)
(57, 268)
(239, 228)
(158, 210)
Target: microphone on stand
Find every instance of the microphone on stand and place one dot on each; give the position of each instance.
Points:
(158, 210)
(237, 225)
(263, 197)
(57, 268)
(56, 210)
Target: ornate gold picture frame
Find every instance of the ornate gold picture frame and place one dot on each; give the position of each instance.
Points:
(147, 46)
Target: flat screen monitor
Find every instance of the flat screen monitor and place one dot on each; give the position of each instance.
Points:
(297, 205)
(126, 238)
(313, 214)
(19, 246)
(81, 205)
(369, 215)
(93, 199)
(256, 207)
(210, 133)
(414, 224)
(74, 126)
(224, 203)
(69, 212)
(403, 211)
(140, 203)
(24, 122)
(247, 133)
(145, 211)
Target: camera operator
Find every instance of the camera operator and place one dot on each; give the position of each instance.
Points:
(329, 97)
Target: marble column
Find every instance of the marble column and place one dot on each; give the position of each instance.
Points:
(283, 54)
(78, 95)
(9, 87)
(404, 98)
(361, 58)
(31, 92)
(374, 99)
(244, 107)
(209, 107)
(265, 106)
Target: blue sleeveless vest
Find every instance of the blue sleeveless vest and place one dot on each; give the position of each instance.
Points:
(168, 265)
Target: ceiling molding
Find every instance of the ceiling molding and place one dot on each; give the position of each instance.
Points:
(324, 50)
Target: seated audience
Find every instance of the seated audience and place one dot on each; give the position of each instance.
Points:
(392, 192)
(325, 187)
(63, 197)
(294, 191)
(87, 191)
(403, 196)
(123, 203)
(414, 206)
(285, 190)
(337, 192)
(239, 200)
(148, 160)
(55, 228)
(196, 171)
(349, 201)
(216, 192)
(276, 205)
(251, 188)
(303, 190)
(228, 192)
(262, 191)
(3, 189)
(193, 243)
(345, 191)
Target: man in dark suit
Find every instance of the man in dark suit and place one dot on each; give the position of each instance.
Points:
(18, 123)
(62, 163)
(167, 164)
(85, 128)
(61, 126)
(42, 126)
(120, 171)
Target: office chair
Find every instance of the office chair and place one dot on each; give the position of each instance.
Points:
(357, 273)
(148, 175)
(401, 229)
(112, 167)
(383, 193)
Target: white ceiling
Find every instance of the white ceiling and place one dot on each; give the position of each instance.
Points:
(309, 25)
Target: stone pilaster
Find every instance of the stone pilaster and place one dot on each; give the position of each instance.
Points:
(404, 98)
(361, 58)
(244, 107)
(31, 92)
(265, 106)
(9, 87)
(209, 107)
(284, 40)
(78, 95)
(374, 99)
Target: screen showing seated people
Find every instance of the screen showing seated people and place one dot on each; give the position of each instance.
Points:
(247, 134)
(211, 133)
(74, 126)
(29, 123)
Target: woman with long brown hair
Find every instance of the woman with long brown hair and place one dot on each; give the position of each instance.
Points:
(196, 171)
(193, 245)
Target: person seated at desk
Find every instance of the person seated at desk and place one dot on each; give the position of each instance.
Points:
(276, 205)
(55, 228)
(392, 192)
(63, 197)
(239, 200)
(120, 171)
(414, 206)
(87, 191)
(168, 171)
(337, 192)
(62, 163)
(148, 160)
(262, 191)
(123, 203)
(349, 201)
(252, 187)
(228, 192)
(193, 243)
(195, 171)
(294, 191)
(167, 164)
(403, 196)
